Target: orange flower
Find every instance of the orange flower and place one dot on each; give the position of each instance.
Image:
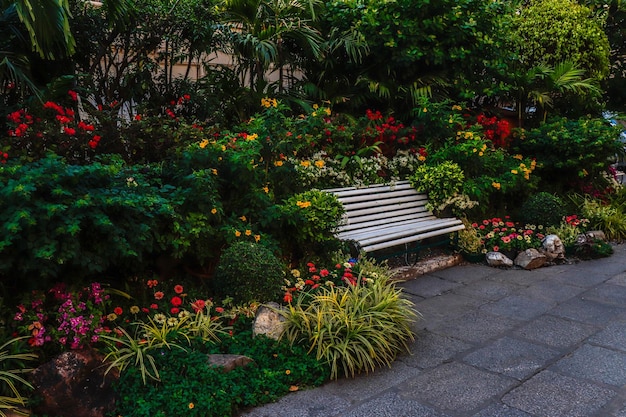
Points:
(152, 283)
(159, 295)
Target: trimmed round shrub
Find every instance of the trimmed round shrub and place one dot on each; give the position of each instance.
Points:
(248, 271)
(542, 209)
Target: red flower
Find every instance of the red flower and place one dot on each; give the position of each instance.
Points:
(174, 310)
(154, 306)
(152, 283)
(178, 289)
(219, 309)
(159, 295)
(69, 131)
(176, 301)
(198, 305)
(288, 297)
(138, 117)
(73, 95)
(118, 311)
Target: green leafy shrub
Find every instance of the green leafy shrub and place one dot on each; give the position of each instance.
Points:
(77, 220)
(310, 218)
(248, 271)
(569, 229)
(569, 153)
(542, 208)
(611, 219)
(353, 328)
(190, 386)
(442, 182)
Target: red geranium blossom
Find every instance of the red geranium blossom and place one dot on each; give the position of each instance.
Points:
(176, 301)
(118, 311)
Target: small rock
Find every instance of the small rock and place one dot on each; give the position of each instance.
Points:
(268, 321)
(531, 259)
(553, 247)
(75, 381)
(228, 362)
(498, 259)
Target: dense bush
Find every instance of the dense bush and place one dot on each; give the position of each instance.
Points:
(569, 153)
(542, 208)
(248, 271)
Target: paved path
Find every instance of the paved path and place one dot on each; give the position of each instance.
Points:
(495, 342)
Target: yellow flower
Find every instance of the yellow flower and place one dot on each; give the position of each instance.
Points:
(266, 189)
(474, 150)
(303, 204)
(425, 110)
(287, 372)
(223, 148)
(252, 136)
(327, 111)
(213, 210)
(278, 163)
(243, 218)
(214, 171)
(305, 164)
(203, 144)
(421, 158)
(295, 273)
(315, 106)
(237, 233)
(480, 153)
(257, 238)
(514, 171)
(248, 232)
(518, 156)
(134, 309)
(457, 107)
(319, 163)
(191, 405)
(112, 317)
(269, 102)
(496, 185)
(469, 135)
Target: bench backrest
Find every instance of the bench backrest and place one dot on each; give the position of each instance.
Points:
(381, 204)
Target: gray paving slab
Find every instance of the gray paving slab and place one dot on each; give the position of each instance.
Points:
(430, 350)
(589, 311)
(512, 357)
(556, 332)
(456, 388)
(595, 363)
(477, 327)
(496, 342)
(429, 286)
(613, 336)
(518, 307)
(549, 394)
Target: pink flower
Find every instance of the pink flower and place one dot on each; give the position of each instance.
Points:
(178, 289)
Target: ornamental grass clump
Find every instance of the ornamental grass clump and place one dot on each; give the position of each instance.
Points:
(354, 328)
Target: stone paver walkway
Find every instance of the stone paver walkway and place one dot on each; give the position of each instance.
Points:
(495, 342)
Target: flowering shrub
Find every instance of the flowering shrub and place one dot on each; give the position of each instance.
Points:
(53, 128)
(568, 230)
(505, 235)
(494, 129)
(343, 274)
(67, 319)
(391, 133)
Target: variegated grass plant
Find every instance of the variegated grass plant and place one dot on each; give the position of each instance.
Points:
(354, 328)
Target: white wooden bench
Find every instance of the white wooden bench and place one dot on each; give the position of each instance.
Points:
(385, 216)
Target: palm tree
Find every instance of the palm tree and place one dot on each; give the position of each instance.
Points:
(542, 84)
(271, 34)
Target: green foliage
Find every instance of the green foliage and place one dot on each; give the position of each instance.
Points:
(542, 208)
(354, 328)
(312, 216)
(553, 31)
(248, 271)
(568, 152)
(58, 218)
(416, 48)
(611, 219)
(189, 385)
(441, 182)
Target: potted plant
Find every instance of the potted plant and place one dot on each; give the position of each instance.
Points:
(470, 243)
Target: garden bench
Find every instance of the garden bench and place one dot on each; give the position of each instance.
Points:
(381, 217)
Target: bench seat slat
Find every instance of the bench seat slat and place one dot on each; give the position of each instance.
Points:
(411, 239)
(385, 211)
(396, 230)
